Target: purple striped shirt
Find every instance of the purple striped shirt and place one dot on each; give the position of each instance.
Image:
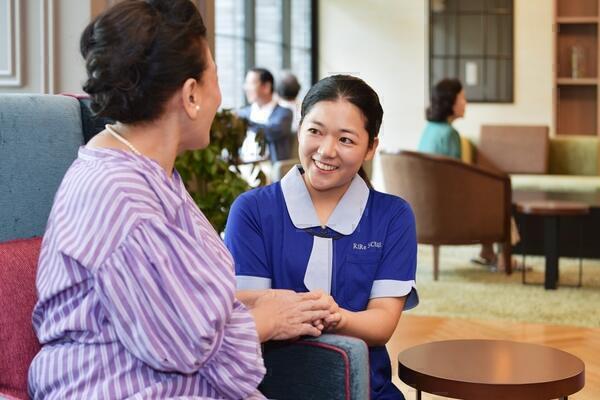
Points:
(136, 292)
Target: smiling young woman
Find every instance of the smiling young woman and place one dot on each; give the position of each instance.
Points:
(322, 229)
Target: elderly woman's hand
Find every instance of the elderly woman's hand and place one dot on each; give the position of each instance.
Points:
(285, 314)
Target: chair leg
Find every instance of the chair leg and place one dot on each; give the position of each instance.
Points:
(506, 255)
(436, 261)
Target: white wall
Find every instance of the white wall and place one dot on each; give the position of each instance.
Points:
(44, 45)
(72, 18)
(42, 37)
(385, 42)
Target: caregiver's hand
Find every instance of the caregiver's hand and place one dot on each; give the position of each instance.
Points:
(335, 317)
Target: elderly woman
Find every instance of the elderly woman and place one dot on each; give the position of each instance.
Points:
(136, 289)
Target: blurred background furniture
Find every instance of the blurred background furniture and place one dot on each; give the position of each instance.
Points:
(551, 211)
(40, 136)
(535, 161)
(454, 203)
(562, 168)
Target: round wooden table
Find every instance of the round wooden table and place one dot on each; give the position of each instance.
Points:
(551, 211)
(491, 369)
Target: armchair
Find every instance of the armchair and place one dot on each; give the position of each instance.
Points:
(39, 139)
(454, 203)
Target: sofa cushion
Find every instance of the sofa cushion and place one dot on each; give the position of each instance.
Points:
(18, 343)
(466, 150)
(556, 183)
(40, 136)
(513, 149)
(575, 155)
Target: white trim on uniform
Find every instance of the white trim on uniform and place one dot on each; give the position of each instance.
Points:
(393, 288)
(246, 282)
(344, 219)
(345, 216)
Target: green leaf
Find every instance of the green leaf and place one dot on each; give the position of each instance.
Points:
(218, 181)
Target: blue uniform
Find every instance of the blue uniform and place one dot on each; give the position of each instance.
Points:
(367, 250)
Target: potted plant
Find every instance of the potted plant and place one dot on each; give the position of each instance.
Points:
(212, 175)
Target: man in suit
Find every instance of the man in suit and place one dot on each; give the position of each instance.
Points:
(264, 114)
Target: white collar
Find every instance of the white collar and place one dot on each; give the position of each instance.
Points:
(345, 216)
(261, 114)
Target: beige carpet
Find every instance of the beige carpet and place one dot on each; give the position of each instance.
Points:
(467, 290)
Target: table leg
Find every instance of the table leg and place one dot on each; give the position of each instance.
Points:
(551, 251)
(418, 394)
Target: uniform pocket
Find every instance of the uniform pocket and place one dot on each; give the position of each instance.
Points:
(357, 275)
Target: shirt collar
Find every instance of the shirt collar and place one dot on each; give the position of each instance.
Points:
(261, 114)
(345, 216)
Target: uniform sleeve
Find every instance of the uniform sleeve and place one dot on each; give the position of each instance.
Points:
(172, 306)
(244, 238)
(395, 275)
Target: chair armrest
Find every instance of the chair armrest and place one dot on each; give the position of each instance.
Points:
(330, 367)
(454, 202)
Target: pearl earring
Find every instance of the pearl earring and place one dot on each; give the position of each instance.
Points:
(197, 107)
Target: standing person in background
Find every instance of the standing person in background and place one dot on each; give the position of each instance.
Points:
(264, 114)
(288, 88)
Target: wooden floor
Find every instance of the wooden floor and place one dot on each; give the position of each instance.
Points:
(581, 342)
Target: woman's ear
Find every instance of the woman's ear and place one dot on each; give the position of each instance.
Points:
(190, 97)
(371, 150)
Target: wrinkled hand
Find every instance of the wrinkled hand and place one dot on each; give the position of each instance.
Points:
(292, 314)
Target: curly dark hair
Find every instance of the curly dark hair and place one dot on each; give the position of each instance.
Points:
(138, 53)
(443, 97)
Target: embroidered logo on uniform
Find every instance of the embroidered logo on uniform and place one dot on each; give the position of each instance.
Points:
(366, 246)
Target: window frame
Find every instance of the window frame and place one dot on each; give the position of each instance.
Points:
(250, 40)
(485, 13)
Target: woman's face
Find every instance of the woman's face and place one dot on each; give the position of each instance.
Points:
(333, 144)
(459, 105)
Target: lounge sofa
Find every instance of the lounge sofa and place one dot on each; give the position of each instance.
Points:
(39, 138)
(547, 166)
(536, 161)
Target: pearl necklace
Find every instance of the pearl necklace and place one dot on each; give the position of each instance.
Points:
(121, 139)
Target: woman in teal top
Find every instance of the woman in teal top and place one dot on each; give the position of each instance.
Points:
(439, 137)
(448, 103)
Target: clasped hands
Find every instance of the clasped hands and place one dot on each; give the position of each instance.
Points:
(296, 314)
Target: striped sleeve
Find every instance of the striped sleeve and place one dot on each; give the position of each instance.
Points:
(174, 308)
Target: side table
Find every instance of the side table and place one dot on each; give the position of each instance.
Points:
(551, 211)
(491, 369)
